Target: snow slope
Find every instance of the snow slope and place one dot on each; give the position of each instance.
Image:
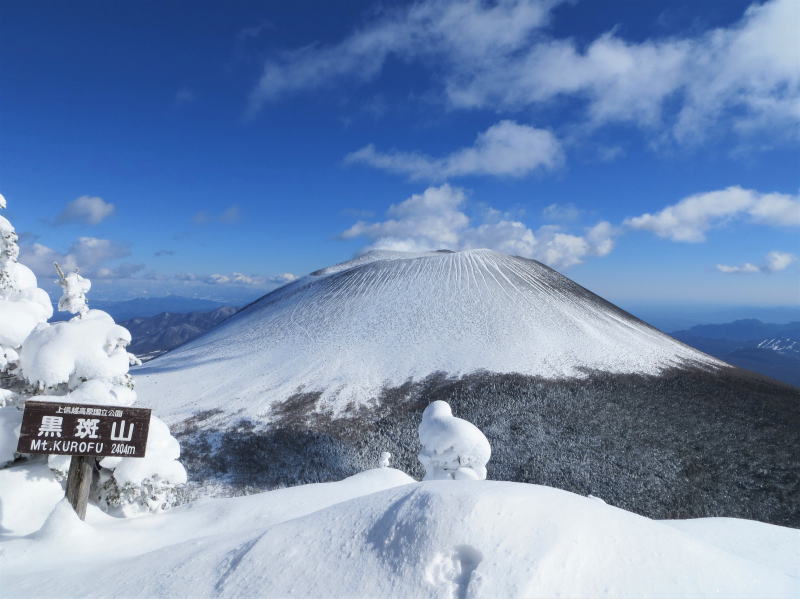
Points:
(379, 534)
(389, 317)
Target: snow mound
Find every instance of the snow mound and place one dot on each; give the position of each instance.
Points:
(63, 523)
(390, 317)
(376, 536)
(28, 493)
(452, 448)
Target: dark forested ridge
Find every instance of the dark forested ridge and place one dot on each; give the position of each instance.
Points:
(687, 443)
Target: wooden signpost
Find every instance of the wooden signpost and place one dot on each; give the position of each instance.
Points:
(84, 432)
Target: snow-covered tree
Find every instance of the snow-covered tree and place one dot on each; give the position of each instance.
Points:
(82, 360)
(23, 306)
(75, 289)
(452, 448)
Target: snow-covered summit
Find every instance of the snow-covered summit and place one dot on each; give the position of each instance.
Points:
(389, 317)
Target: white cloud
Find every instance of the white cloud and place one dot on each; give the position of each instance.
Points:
(743, 77)
(776, 209)
(454, 32)
(504, 149)
(747, 267)
(692, 217)
(89, 210)
(419, 223)
(435, 220)
(121, 271)
(777, 261)
(87, 254)
(238, 278)
(774, 262)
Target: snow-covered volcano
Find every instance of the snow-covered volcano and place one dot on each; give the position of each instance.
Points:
(389, 317)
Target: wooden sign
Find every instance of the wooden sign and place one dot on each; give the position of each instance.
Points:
(50, 427)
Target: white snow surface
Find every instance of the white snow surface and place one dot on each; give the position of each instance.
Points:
(389, 317)
(23, 308)
(452, 448)
(380, 534)
(86, 347)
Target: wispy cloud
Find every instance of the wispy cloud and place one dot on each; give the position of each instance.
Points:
(237, 278)
(121, 271)
(747, 267)
(742, 78)
(690, 219)
(505, 149)
(452, 32)
(88, 210)
(90, 255)
(773, 262)
(435, 219)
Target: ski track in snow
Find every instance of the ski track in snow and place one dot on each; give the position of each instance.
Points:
(389, 317)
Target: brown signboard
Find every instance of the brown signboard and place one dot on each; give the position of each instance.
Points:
(78, 429)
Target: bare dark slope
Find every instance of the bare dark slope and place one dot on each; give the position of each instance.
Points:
(686, 443)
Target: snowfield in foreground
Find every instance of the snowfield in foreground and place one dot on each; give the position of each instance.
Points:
(381, 534)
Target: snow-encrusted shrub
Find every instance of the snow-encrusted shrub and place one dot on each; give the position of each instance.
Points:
(82, 360)
(74, 297)
(144, 484)
(452, 448)
(23, 306)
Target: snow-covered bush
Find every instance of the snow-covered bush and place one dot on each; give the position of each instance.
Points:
(75, 289)
(134, 486)
(85, 348)
(23, 306)
(386, 459)
(82, 360)
(452, 448)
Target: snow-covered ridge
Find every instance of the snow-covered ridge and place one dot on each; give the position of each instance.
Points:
(388, 317)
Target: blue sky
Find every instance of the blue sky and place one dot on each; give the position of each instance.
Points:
(646, 149)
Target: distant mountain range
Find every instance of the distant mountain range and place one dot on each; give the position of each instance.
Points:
(766, 348)
(679, 317)
(154, 335)
(148, 306)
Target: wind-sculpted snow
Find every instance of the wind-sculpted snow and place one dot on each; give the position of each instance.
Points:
(381, 534)
(389, 317)
(452, 448)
